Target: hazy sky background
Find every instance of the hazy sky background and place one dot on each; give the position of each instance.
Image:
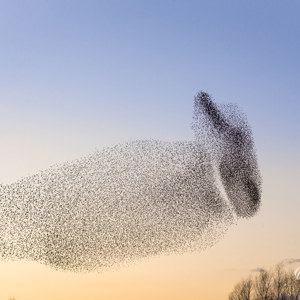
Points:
(80, 75)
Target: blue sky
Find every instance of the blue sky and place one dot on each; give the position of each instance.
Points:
(100, 72)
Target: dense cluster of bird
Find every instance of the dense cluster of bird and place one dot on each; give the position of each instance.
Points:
(136, 199)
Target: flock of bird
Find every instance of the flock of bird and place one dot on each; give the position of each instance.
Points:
(136, 199)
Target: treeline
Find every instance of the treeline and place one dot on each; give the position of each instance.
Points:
(276, 284)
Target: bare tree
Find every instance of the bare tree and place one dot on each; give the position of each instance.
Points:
(280, 283)
(247, 285)
(293, 286)
(262, 286)
(242, 290)
(275, 285)
(236, 293)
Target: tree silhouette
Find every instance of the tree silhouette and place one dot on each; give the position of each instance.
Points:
(242, 290)
(262, 286)
(268, 285)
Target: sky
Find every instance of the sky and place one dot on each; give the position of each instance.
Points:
(76, 76)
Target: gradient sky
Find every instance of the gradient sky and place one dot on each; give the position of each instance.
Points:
(80, 75)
